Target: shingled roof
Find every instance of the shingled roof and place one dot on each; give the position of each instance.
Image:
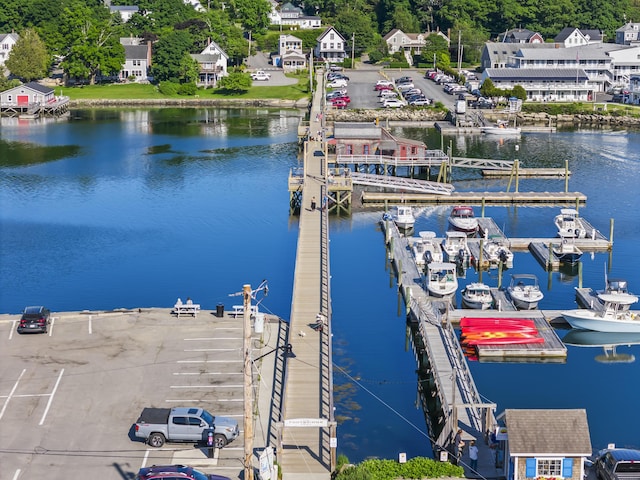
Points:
(545, 432)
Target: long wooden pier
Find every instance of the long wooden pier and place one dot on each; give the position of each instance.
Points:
(307, 426)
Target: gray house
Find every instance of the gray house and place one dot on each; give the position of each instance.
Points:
(546, 444)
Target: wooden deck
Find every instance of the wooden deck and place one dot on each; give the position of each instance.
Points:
(378, 199)
(307, 424)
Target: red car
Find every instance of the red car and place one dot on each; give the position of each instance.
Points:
(346, 98)
(339, 103)
(383, 87)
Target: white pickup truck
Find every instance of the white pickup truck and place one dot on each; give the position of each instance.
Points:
(260, 75)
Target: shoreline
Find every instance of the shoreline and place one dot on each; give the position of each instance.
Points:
(189, 102)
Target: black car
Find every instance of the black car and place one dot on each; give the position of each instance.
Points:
(34, 320)
(403, 80)
(175, 472)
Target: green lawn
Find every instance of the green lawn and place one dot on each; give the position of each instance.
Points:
(135, 91)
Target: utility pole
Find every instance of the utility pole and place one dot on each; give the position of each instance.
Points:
(248, 383)
(353, 49)
(249, 52)
(459, 54)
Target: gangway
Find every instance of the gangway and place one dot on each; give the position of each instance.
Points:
(401, 183)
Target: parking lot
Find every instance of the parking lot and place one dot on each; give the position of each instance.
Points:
(69, 398)
(363, 96)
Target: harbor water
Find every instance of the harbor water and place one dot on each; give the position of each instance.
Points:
(135, 208)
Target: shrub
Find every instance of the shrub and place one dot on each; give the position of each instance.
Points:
(187, 89)
(168, 88)
(419, 467)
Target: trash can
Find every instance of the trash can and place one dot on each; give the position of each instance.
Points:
(258, 325)
(220, 310)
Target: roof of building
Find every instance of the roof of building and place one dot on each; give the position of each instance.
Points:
(520, 34)
(135, 51)
(124, 8)
(15, 36)
(594, 35)
(583, 52)
(543, 432)
(536, 74)
(358, 130)
(630, 26)
(326, 31)
(34, 86)
(204, 57)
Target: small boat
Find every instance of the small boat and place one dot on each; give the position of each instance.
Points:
(477, 295)
(566, 251)
(462, 219)
(569, 224)
(426, 249)
(524, 291)
(615, 315)
(456, 248)
(441, 279)
(403, 217)
(501, 128)
(495, 250)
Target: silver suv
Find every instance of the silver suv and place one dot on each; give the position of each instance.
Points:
(618, 464)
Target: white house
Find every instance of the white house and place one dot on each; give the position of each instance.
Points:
(125, 11)
(7, 41)
(572, 37)
(544, 84)
(137, 60)
(213, 63)
(410, 43)
(195, 4)
(291, 56)
(330, 46)
(634, 90)
(288, 14)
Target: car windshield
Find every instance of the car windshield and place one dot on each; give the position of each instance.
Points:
(207, 417)
(198, 475)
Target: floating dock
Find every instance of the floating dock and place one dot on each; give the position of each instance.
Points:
(558, 199)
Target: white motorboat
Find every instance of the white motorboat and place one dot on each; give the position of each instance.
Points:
(441, 279)
(566, 251)
(524, 291)
(477, 295)
(456, 248)
(463, 219)
(569, 224)
(426, 249)
(501, 128)
(495, 250)
(614, 316)
(403, 217)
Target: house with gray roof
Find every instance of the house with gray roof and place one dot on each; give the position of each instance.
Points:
(137, 60)
(290, 55)
(628, 34)
(212, 62)
(366, 138)
(125, 11)
(520, 35)
(544, 84)
(331, 46)
(288, 14)
(572, 37)
(545, 443)
(409, 43)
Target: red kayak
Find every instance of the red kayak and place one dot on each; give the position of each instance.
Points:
(495, 322)
(505, 329)
(504, 341)
(501, 335)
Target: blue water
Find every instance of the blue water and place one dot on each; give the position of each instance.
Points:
(135, 208)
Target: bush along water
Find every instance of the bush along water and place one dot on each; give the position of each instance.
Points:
(416, 468)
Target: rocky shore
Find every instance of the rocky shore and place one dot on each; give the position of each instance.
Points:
(363, 115)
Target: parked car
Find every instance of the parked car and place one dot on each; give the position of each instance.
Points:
(403, 87)
(337, 83)
(383, 86)
(344, 97)
(384, 82)
(387, 94)
(260, 75)
(393, 103)
(618, 464)
(420, 102)
(335, 68)
(403, 80)
(484, 103)
(175, 472)
(336, 93)
(334, 76)
(34, 320)
(339, 103)
(411, 91)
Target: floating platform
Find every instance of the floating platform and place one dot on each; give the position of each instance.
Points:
(551, 350)
(558, 199)
(528, 173)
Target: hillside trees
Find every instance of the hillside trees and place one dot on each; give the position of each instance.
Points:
(28, 59)
(168, 56)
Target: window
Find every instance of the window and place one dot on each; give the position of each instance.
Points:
(195, 421)
(180, 421)
(331, 36)
(349, 149)
(549, 467)
(365, 149)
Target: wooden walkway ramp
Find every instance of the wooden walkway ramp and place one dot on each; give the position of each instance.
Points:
(307, 422)
(461, 404)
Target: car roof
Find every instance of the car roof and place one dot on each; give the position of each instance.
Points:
(624, 454)
(33, 309)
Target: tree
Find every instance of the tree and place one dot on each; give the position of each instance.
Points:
(252, 14)
(189, 69)
(168, 56)
(435, 47)
(519, 92)
(235, 83)
(28, 59)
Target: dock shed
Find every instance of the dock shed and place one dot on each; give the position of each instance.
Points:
(545, 444)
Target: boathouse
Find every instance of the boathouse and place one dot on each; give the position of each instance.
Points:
(358, 138)
(543, 444)
(32, 99)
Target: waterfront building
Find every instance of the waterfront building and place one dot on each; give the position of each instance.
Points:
(331, 46)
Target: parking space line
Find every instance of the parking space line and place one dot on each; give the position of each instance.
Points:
(210, 349)
(90, 324)
(55, 388)
(207, 373)
(17, 474)
(205, 339)
(209, 361)
(206, 386)
(15, 385)
(13, 328)
(145, 458)
(53, 322)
